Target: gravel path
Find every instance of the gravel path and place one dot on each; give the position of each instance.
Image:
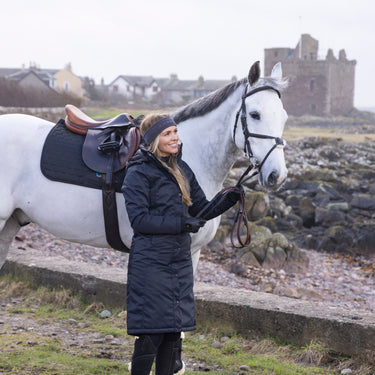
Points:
(336, 279)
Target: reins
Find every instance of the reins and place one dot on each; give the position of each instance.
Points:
(253, 169)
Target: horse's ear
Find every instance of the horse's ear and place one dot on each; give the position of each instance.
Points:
(254, 73)
(277, 72)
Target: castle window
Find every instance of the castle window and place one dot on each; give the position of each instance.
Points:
(276, 53)
(312, 84)
(313, 108)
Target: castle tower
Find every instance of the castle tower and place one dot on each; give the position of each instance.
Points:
(316, 86)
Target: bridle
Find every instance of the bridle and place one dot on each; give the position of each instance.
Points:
(278, 141)
(255, 167)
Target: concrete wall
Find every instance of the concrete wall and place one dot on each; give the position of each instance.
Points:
(248, 313)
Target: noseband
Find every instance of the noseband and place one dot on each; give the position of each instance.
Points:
(278, 141)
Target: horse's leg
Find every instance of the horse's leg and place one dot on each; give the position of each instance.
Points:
(195, 259)
(7, 234)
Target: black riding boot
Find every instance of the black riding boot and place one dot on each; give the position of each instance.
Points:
(178, 364)
(143, 356)
(166, 355)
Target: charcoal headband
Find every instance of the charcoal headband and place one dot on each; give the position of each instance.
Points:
(152, 132)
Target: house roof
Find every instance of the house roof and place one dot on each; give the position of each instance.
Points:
(44, 75)
(211, 84)
(140, 81)
(7, 71)
(179, 84)
(21, 74)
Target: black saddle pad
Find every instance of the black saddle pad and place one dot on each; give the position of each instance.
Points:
(62, 160)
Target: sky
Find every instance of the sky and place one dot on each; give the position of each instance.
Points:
(217, 39)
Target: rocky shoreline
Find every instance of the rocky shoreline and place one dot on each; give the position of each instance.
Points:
(313, 239)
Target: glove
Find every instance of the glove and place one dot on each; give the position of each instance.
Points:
(235, 195)
(192, 224)
(220, 205)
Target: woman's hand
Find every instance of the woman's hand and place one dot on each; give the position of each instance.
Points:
(192, 224)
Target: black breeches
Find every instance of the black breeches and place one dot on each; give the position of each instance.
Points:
(162, 346)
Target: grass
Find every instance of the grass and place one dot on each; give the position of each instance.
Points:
(293, 133)
(54, 332)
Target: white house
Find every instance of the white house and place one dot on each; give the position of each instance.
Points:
(134, 86)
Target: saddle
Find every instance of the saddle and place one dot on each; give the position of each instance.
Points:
(107, 147)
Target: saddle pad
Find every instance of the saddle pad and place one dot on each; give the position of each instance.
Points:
(62, 160)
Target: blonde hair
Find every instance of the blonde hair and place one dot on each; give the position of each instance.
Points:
(171, 165)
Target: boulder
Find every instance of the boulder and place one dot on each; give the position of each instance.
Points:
(363, 201)
(366, 244)
(258, 204)
(306, 210)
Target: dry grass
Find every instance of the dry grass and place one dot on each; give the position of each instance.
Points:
(294, 133)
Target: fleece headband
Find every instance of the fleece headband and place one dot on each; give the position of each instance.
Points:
(152, 132)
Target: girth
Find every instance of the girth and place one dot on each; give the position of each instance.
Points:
(107, 147)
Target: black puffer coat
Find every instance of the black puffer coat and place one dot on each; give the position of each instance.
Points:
(160, 274)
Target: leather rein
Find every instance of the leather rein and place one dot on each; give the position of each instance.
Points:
(254, 168)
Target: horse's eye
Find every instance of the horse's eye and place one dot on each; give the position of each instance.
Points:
(255, 115)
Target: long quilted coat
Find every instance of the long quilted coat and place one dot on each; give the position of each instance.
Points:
(160, 274)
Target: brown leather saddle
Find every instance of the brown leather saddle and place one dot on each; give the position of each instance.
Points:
(107, 147)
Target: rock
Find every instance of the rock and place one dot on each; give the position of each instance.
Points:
(279, 240)
(244, 368)
(346, 371)
(238, 268)
(105, 314)
(306, 209)
(287, 292)
(216, 344)
(328, 217)
(336, 238)
(297, 260)
(293, 201)
(363, 201)
(366, 244)
(267, 287)
(268, 222)
(258, 204)
(259, 241)
(275, 258)
(224, 339)
(249, 259)
(339, 206)
(278, 208)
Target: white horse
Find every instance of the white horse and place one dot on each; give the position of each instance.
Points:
(212, 143)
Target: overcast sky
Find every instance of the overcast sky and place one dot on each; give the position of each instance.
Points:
(213, 38)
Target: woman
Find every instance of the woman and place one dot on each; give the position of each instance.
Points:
(162, 199)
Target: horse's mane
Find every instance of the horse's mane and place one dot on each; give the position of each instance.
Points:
(211, 101)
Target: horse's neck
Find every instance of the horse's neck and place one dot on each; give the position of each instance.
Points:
(208, 144)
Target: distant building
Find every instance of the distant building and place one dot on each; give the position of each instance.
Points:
(166, 91)
(316, 86)
(134, 87)
(60, 80)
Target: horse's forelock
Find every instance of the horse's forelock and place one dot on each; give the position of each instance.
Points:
(278, 84)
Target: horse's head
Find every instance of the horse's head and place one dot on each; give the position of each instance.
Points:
(260, 123)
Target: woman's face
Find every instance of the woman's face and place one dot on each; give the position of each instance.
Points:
(168, 141)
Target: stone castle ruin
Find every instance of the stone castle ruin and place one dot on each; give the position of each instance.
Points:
(316, 87)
